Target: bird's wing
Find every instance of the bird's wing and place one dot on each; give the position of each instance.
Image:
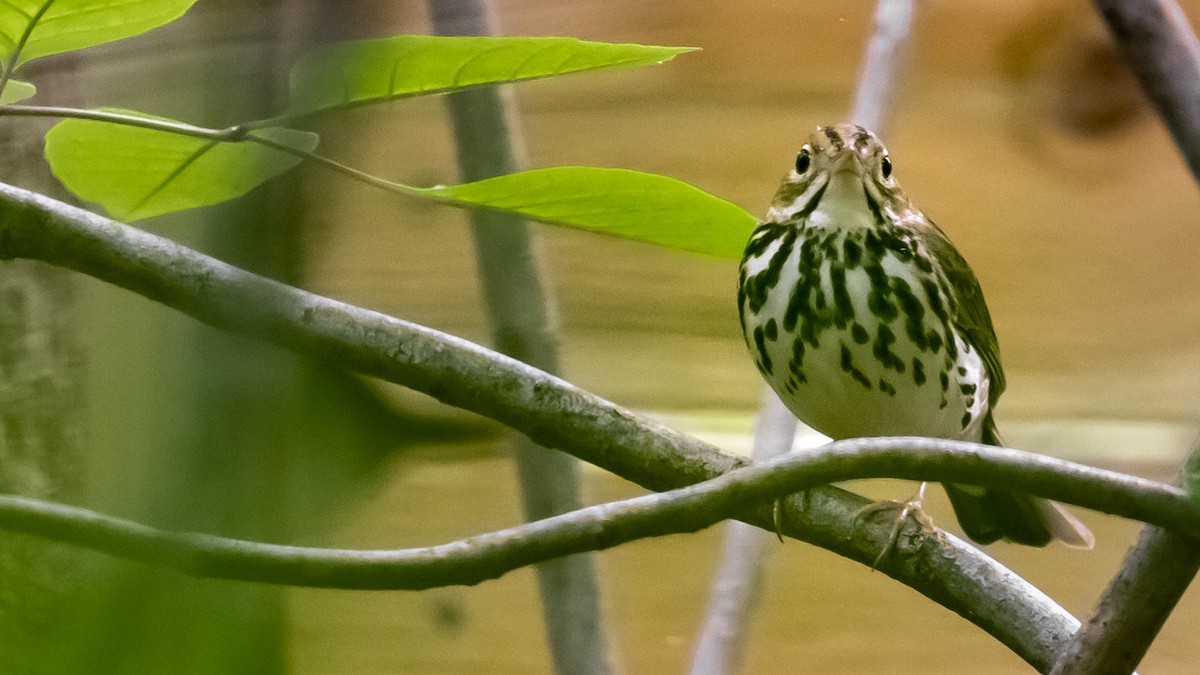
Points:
(970, 311)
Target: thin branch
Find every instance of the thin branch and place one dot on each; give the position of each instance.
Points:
(547, 409)
(236, 134)
(19, 46)
(738, 581)
(488, 556)
(882, 64)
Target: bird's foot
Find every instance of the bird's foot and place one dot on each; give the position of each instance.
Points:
(912, 507)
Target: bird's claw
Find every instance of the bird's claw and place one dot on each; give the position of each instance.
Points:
(777, 514)
(911, 507)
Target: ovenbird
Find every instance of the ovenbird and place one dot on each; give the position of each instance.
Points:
(866, 321)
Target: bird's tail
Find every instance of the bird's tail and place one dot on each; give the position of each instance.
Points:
(988, 514)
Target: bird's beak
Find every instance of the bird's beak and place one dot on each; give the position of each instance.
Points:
(846, 178)
(847, 162)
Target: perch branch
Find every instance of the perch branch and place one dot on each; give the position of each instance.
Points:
(488, 556)
(547, 409)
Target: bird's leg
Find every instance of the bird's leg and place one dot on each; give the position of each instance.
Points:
(911, 507)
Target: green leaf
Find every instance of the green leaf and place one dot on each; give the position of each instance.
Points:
(43, 27)
(365, 71)
(138, 173)
(642, 206)
(16, 90)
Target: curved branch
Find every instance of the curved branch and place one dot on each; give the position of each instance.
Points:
(1157, 41)
(1163, 51)
(552, 412)
(488, 556)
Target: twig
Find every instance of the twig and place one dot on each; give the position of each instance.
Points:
(688, 509)
(20, 43)
(547, 409)
(234, 134)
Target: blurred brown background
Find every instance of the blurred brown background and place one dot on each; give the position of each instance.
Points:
(1016, 128)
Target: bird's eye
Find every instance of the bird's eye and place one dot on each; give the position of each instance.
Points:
(886, 167)
(803, 160)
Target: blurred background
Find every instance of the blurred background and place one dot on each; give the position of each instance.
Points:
(1017, 128)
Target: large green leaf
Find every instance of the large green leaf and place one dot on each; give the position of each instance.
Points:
(15, 90)
(43, 27)
(632, 204)
(350, 73)
(138, 173)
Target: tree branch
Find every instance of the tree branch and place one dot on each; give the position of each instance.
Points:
(1158, 43)
(1161, 48)
(488, 556)
(547, 409)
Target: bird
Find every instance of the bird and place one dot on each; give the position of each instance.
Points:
(866, 321)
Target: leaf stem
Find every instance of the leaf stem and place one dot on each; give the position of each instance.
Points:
(232, 134)
(235, 134)
(338, 167)
(20, 45)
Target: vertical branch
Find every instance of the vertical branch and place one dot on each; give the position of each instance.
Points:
(883, 61)
(1159, 45)
(738, 583)
(521, 316)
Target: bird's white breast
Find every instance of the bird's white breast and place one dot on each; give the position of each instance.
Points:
(844, 358)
